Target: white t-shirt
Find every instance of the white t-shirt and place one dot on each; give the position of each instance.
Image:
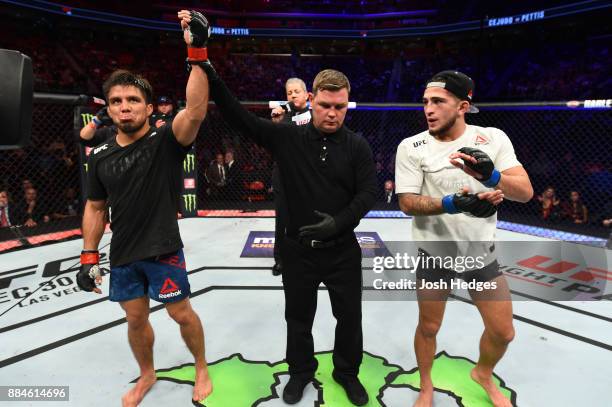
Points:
(422, 166)
(302, 118)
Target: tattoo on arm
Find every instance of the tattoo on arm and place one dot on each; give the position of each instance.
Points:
(414, 204)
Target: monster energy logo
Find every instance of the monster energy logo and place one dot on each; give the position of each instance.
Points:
(190, 202)
(87, 118)
(189, 163)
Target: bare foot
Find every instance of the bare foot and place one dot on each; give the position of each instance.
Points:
(487, 383)
(425, 398)
(203, 386)
(135, 395)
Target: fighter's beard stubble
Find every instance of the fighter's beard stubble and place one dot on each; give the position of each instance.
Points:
(444, 128)
(130, 128)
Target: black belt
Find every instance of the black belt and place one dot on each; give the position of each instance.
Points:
(320, 244)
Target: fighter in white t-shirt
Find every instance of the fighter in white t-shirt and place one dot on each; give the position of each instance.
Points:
(451, 179)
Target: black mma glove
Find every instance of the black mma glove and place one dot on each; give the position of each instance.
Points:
(484, 166)
(320, 231)
(86, 277)
(469, 203)
(199, 33)
(102, 118)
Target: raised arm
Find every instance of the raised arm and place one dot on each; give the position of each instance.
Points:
(187, 122)
(98, 130)
(87, 132)
(263, 132)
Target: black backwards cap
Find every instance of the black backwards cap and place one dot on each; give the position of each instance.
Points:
(457, 83)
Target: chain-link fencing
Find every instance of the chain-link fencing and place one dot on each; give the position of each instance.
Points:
(39, 184)
(563, 149)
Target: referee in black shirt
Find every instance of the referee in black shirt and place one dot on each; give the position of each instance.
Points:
(329, 181)
(297, 112)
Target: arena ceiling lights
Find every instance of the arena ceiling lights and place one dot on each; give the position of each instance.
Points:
(501, 21)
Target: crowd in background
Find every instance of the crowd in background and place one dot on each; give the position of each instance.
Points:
(40, 183)
(549, 66)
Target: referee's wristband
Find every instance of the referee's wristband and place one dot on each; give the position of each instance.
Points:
(448, 205)
(493, 180)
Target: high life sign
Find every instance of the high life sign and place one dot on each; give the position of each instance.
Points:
(598, 103)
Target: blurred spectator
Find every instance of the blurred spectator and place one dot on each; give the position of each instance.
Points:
(165, 112)
(216, 175)
(606, 221)
(30, 213)
(5, 215)
(381, 171)
(19, 196)
(550, 209)
(389, 191)
(70, 205)
(233, 179)
(25, 185)
(575, 210)
(606, 215)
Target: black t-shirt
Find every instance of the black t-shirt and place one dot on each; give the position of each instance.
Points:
(298, 118)
(142, 183)
(100, 136)
(332, 173)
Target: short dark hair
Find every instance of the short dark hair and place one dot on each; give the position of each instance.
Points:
(330, 79)
(123, 77)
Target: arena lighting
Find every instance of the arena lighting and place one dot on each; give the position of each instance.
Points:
(514, 227)
(523, 18)
(523, 106)
(276, 103)
(320, 16)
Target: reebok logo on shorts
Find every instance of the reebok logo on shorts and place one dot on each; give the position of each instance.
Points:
(169, 289)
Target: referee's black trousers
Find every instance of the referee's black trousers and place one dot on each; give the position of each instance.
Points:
(339, 268)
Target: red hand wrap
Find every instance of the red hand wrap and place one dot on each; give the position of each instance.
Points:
(197, 54)
(90, 258)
